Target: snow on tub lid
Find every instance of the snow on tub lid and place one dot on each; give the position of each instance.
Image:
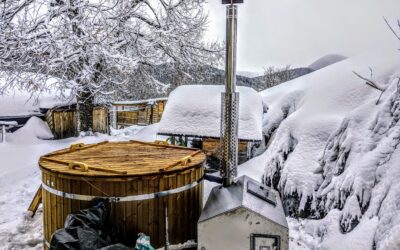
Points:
(195, 110)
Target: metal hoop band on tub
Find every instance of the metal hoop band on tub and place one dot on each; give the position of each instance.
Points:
(116, 199)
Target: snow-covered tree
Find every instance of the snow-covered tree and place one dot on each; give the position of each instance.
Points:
(97, 46)
(274, 76)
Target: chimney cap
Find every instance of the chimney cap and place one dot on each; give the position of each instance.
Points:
(231, 1)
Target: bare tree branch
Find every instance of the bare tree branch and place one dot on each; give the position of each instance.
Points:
(391, 28)
(369, 82)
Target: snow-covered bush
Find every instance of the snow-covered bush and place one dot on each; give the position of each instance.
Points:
(333, 148)
(361, 157)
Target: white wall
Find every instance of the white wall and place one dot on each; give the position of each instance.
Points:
(232, 231)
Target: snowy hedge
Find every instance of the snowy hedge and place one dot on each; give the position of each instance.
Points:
(333, 147)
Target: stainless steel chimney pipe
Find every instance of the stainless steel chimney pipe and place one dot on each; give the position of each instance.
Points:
(230, 102)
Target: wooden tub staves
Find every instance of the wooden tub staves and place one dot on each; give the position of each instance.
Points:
(139, 179)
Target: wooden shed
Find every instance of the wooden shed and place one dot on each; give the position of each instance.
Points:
(212, 148)
(141, 112)
(193, 112)
(141, 180)
(62, 121)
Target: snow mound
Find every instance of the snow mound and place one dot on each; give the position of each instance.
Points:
(306, 234)
(332, 146)
(326, 61)
(195, 110)
(148, 134)
(126, 132)
(33, 130)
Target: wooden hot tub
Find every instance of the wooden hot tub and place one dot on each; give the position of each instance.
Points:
(138, 178)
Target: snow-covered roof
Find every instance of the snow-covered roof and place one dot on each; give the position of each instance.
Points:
(225, 199)
(9, 123)
(152, 100)
(195, 110)
(22, 103)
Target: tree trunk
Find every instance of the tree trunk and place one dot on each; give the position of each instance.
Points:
(85, 101)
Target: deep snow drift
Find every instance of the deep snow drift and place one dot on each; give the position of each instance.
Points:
(333, 151)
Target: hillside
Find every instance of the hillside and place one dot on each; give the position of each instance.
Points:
(260, 83)
(333, 151)
(168, 76)
(326, 61)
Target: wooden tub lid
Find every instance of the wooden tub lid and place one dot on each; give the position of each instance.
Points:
(121, 159)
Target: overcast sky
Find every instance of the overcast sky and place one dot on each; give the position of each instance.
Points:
(296, 32)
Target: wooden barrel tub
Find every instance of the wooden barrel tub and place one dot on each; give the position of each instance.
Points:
(139, 179)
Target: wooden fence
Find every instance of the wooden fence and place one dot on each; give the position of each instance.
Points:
(101, 120)
(140, 113)
(157, 111)
(63, 122)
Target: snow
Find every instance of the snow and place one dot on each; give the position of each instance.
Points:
(18, 104)
(315, 105)
(333, 153)
(330, 142)
(326, 61)
(35, 129)
(140, 101)
(9, 123)
(51, 100)
(250, 74)
(23, 103)
(195, 110)
(326, 234)
(20, 177)
(223, 200)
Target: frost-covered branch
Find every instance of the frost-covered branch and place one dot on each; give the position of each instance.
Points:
(392, 29)
(93, 46)
(369, 82)
(372, 84)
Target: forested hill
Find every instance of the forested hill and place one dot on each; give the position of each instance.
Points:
(203, 74)
(172, 77)
(166, 73)
(260, 83)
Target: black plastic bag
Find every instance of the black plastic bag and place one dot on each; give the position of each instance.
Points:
(85, 230)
